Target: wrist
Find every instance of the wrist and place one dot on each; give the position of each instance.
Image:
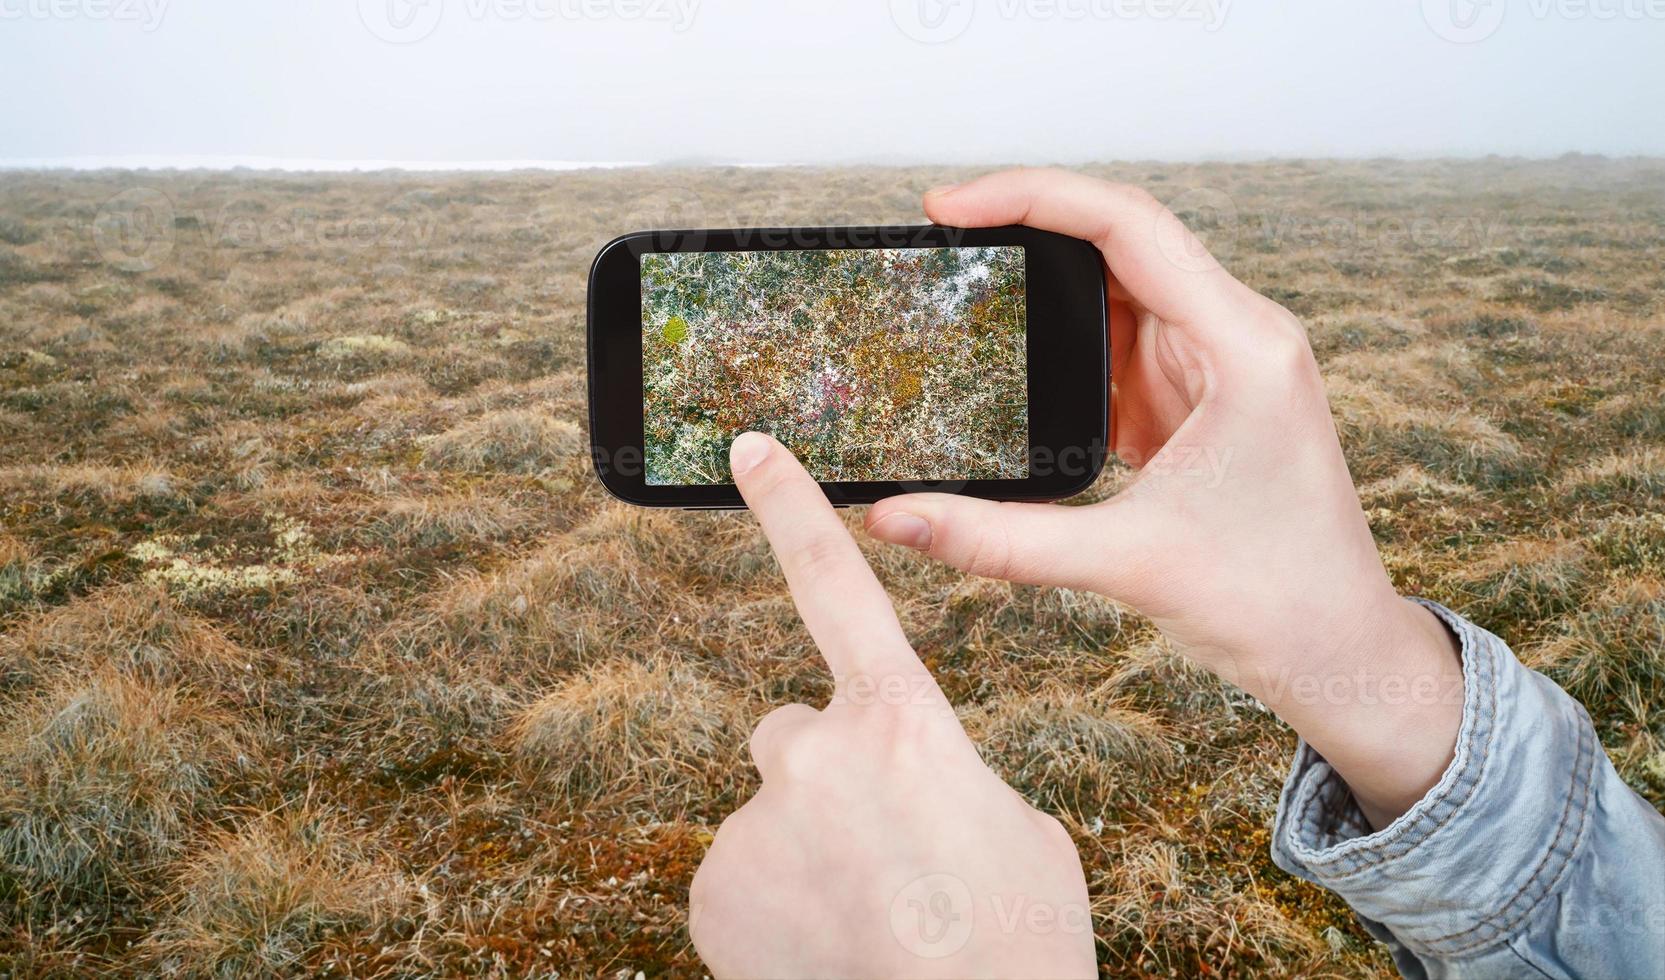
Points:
(1382, 706)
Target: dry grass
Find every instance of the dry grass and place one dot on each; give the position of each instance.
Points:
(322, 650)
(562, 605)
(137, 628)
(1636, 475)
(274, 896)
(661, 734)
(1612, 651)
(1075, 751)
(438, 522)
(103, 779)
(516, 440)
(1145, 897)
(107, 483)
(1441, 437)
(1526, 579)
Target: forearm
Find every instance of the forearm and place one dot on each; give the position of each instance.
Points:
(1528, 854)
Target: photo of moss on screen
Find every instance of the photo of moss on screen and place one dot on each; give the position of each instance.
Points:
(869, 364)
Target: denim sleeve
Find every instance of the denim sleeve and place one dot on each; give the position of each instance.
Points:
(1531, 857)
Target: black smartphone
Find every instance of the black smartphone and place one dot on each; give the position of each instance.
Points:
(890, 359)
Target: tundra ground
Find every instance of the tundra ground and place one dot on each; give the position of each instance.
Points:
(323, 652)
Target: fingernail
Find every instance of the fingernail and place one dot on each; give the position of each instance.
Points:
(940, 189)
(903, 529)
(747, 452)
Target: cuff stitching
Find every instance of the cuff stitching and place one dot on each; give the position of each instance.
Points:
(1551, 868)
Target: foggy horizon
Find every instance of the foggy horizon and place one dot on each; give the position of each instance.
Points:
(300, 165)
(495, 84)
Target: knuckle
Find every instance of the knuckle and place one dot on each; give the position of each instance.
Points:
(916, 741)
(1139, 197)
(699, 890)
(798, 758)
(772, 726)
(1284, 340)
(783, 742)
(907, 721)
(775, 719)
(1043, 178)
(1275, 316)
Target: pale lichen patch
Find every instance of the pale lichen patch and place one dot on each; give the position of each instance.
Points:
(189, 569)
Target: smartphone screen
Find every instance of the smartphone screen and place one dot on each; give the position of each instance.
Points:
(872, 364)
(888, 358)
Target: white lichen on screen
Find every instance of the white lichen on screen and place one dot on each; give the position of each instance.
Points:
(870, 364)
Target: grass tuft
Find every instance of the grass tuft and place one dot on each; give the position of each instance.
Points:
(1634, 542)
(1518, 584)
(1612, 652)
(1635, 476)
(518, 440)
(1383, 434)
(270, 897)
(137, 628)
(102, 779)
(1066, 749)
(364, 347)
(658, 732)
(110, 484)
(1148, 899)
(438, 522)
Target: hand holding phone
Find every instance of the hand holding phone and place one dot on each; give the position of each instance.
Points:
(1241, 536)
(876, 827)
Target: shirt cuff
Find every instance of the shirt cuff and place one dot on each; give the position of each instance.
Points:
(1464, 868)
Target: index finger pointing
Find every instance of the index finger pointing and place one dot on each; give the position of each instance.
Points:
(845, 608)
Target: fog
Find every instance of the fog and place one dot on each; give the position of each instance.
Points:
(329, 83)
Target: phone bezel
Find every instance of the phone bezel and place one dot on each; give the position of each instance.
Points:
(1068, 358)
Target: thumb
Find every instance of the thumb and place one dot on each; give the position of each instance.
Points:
(1094, 548)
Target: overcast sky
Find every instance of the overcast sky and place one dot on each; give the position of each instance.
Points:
(828, 80)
